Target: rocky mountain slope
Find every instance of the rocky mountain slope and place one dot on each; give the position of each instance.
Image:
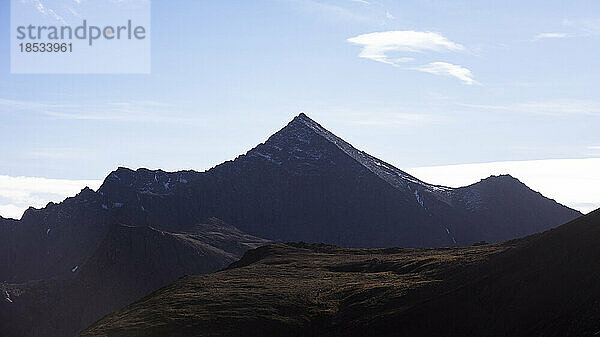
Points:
(306, 184)
(49, 242)
(127, 264)
(541, 285)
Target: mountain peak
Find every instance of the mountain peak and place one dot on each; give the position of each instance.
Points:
(503, 179)
(304, 145)
(301, 115)
(303, 120)
(147, 180)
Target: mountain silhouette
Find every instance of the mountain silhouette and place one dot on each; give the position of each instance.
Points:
(306, 184)
(70, 263)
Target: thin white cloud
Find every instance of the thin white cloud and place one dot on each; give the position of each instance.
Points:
(551, 35)
(46, 11)
(74, 13)
(448, 69)
(557, 107)
(401, 118)
(377, 46)
(123, 111)
(362, 2)
(19, 193)
(572, 182)
(393, 119)
(57, 153)
(380, 46)
(389, 15)
(562, 107)
(331, 11)
(582, 27)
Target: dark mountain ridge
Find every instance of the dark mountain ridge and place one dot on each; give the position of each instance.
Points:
(49, 242)
(304, 183)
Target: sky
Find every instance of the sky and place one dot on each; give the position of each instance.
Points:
(497, 86)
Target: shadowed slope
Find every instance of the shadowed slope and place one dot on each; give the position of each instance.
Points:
(306, 184)
(129, 263)
(542, 285)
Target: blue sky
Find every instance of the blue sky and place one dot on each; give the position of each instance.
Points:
(416, 83)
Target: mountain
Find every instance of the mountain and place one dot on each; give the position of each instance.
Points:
(69, 263)
(306, 184)
(542, 285)
(49, 242)
(127, 264)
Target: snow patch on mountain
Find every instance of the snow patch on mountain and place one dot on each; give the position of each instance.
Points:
(418, 197)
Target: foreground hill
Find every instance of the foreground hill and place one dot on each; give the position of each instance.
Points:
(542, 285)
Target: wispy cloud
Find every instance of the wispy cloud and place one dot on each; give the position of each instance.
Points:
(74, 12)
(57, 153)
(394, 119)
(551, 36)
(583, 27)
(19, 193)
(380, 47)
(448, 69)
(377, 46)
(557, 107)
(573, 28)
(347, 11)
(573, 182)
(45, 10)
(332, 11)
(562, 107)
(379, 114)
(121, 111)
